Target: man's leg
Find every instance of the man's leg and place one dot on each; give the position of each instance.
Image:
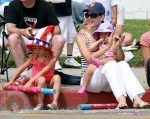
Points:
(57, 45)
(70, 38)
(70, 61)
(18, 48)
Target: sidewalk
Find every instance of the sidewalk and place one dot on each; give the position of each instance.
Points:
(139, 72)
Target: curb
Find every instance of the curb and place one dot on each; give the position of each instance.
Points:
(16, 100)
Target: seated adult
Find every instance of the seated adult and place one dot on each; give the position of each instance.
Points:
(145, 51)
(115, 76)
(23, 19)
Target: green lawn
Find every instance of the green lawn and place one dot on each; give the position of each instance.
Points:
(137, 28)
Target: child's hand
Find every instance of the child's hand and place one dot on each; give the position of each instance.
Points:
(28, 84)
(9, 83)
(110, 41)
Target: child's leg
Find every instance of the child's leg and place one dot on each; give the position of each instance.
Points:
(95, 61)
(56, 84)
(41, 83)
(87, 76)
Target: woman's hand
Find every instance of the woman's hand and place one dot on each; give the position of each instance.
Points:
(117, 41)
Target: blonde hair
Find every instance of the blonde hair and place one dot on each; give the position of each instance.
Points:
(47, 53)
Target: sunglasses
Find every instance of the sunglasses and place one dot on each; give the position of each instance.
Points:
(91, 15)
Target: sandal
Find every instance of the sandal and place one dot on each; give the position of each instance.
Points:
(143, 105)
(52, 106)
(122, 105)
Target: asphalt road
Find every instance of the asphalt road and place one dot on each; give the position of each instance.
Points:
(78, 114)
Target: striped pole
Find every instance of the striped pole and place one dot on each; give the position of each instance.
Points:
(97, 106)
(30, 89)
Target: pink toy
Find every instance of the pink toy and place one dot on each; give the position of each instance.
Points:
(30, 89)
(97, 106)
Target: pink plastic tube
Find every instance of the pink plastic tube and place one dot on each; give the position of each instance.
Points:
(30, 89)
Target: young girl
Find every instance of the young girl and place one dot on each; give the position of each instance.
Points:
(101, 35)
(43, 62)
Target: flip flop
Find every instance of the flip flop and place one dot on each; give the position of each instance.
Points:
(122, 105)
(143, 105)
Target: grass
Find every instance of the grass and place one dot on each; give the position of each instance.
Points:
(137, 28)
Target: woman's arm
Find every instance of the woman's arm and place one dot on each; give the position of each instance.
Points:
(81, 42)
(117, 49)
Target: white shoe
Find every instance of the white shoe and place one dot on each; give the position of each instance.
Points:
(38, 107)
(72, 63)
(57, 66)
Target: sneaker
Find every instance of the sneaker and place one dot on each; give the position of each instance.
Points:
(72, 63)
(57, 66)
(21, 81)
(38, 107)
(52, 106)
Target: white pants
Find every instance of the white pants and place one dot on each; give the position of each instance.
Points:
(117, 77)
(120, 14)
(68, 30)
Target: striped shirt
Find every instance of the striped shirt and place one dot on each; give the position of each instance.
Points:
(83, 61)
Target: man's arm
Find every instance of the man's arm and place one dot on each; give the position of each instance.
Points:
(57, 30)
(11, 28)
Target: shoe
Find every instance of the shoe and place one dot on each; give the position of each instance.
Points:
(122, 105)
(52, 106)
(143, 105)
(57, 66)
(95, 61)
(72, 63)
(21, 81)
(38, 107)
(82, 90)
(148, 72)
